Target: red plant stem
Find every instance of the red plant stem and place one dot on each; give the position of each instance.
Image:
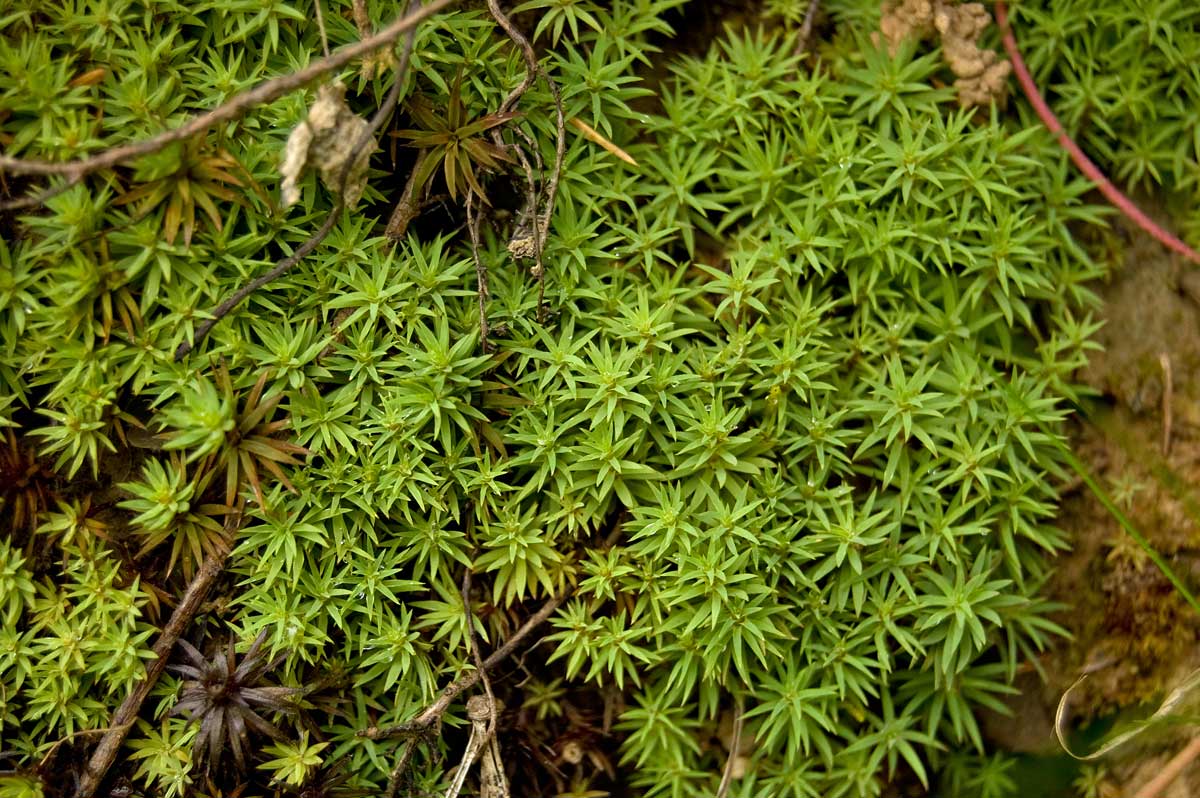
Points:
(1089, 169)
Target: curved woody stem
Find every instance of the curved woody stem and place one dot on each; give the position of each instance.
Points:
(1089, 169)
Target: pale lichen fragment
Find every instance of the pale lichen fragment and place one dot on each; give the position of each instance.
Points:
(325, 140)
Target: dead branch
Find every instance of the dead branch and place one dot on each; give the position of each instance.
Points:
(126, 714)
(335, 213)
(433, 713)
(401, 767)
(75, 171)
(406, 751)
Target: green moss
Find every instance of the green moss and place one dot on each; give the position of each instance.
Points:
(1121, 77)
(769, 373)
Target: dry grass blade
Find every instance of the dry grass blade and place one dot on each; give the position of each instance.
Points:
(1170, 705)
(594, 135)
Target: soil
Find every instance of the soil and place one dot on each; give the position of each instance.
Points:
(1139, 436)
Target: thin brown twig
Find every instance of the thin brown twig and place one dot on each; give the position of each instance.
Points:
(398, 771)
(533, 70)
(36, 200)
(1170, 771)
(806, 27)
(538, 165)
(123, 719)
(532, 197)
(321, 28)
(481, 274)
(473, 640)
(531, 65)
(1164, 360)
(560, 152)
(81, 733)
(433, 713)
(530, 218)
(335, 213)
(734, 752)
(234, 108)
(484, 749)
(408, 207)
(532, 204)
(406, 755)
(539, 265)
(283, 266)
